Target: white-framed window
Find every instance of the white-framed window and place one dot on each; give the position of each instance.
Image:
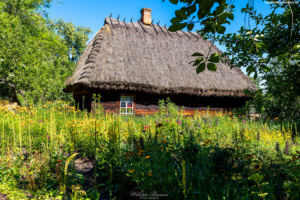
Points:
(126, 104)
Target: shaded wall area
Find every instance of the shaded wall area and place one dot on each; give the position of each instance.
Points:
(148, 103)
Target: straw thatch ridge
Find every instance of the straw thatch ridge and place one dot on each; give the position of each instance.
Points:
(150, 59)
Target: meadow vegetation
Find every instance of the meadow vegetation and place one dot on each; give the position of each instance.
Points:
(50, 150)
(202, 156)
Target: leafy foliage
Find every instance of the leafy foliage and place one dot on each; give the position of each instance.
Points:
(33, 56)
(279, 95)
(74, 38)
(202, 156)
(248, 47)
(270, 51)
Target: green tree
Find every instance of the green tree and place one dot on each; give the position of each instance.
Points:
(34, 57)
(271, 51)
(74, 38)
(282, 94)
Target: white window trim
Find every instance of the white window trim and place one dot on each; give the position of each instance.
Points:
(126, 102)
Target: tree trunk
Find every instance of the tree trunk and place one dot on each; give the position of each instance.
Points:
(15, 96)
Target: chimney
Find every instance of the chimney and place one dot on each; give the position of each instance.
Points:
(146, 16)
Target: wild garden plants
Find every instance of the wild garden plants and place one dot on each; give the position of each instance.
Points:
(167, 155)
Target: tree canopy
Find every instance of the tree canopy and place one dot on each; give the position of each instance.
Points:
(36, 54)
(270, 50)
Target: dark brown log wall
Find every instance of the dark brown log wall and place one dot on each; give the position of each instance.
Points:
(148, 104)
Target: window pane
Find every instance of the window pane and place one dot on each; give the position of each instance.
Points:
(123, 104)
(123, 110)
(129, 110)
(129, 104)
(129, 98)
(123, 98)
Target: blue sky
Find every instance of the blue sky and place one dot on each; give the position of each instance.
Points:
(91, 13)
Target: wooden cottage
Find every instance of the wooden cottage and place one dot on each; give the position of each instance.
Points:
(134, 65)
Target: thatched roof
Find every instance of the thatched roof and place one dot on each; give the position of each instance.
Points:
(136, 57)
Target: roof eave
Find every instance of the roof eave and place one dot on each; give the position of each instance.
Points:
(133, 87)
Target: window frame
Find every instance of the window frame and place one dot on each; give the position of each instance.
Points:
(126, 104)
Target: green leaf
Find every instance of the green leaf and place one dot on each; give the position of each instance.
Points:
(264, 184)
(245, 47)
(200, 58)
(201, 67)
(197, 54)
(222, 2)
(247, 92)
(197, 61)
(212, 67)
(222, 18)
(250, 69)
(262, 60)
(255, 75)
(255, 177)
(191, 9)
(190, 27)
(174, 1)
(206, 5)
(297, 46)
(226, 22)
(259, 53)
(214, 59)
(282, 57)
(219, 10)
(175, 20)
(215, 55)
(201, 14)
(286, 61)
(221, 29)
(231, 16)
(261, 45)
(249, 33)
(281, 50)
(180, 14)
(297, 55)
(263, 195)
(176, 27)
(258, 36)
(238, 36)
(265, 68)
